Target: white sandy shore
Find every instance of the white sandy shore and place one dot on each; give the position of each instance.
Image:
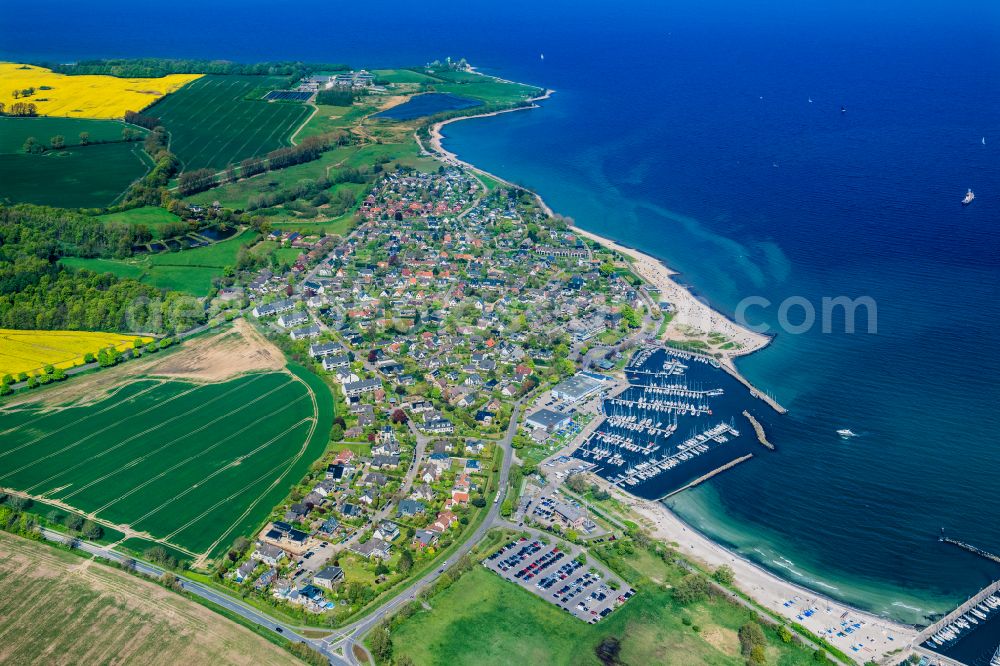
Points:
(691, 313)
(875, 638)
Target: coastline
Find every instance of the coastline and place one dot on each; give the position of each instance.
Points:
(879, 636)
(691, 315)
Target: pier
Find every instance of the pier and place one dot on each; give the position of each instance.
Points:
(759, 429)
(706, 477)
(972, 602)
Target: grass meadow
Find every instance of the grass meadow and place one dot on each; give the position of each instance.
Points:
(190, 464)
(215, 121)
(190, 271)
(152, 217)
(488, 621)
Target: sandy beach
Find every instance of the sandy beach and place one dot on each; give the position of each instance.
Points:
(691, 313)
(862, 635)
(875, 638)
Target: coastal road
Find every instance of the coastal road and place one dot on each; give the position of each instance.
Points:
(221, 599)
(350, 636)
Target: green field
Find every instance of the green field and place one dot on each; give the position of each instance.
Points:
(79, 177)
(150, 216)
(193, 465)
(402, 76)
(212, 123)
(467, 84)
(485, 620)
(190, 271)
(14, 131)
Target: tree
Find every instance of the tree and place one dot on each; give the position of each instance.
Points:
(751, 635)
(608, 651)
(690, 589)
(381, 644)
(30, 145)
(405, 562)
(84, 138)
(58, 142)
(169, 580)
(724, 574)
(92, 530)
(399, 416)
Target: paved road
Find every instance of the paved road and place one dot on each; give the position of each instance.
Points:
(229, 603)
(348, 637)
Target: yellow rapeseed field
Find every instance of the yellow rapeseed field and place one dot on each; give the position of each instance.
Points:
(30, 351)
(85, 96)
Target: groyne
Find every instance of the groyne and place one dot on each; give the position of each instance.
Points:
(759, 429)
(706, 477)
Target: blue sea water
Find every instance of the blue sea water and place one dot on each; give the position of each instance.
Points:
(687, 131)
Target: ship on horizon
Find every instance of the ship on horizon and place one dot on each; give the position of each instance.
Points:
(969, 197)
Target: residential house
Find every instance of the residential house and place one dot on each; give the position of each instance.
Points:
(292, 319)
(328, 577)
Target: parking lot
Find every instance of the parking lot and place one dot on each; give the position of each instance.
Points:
(553, 573)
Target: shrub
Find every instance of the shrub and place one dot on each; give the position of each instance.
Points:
(690, 589)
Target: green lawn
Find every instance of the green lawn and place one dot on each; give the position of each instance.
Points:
(194, 465)
(120, 268)
(190, 271)
(150, 216)
(218, 120)
(485, 620)
(77, 177)
(330, 118)
(402, 76)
